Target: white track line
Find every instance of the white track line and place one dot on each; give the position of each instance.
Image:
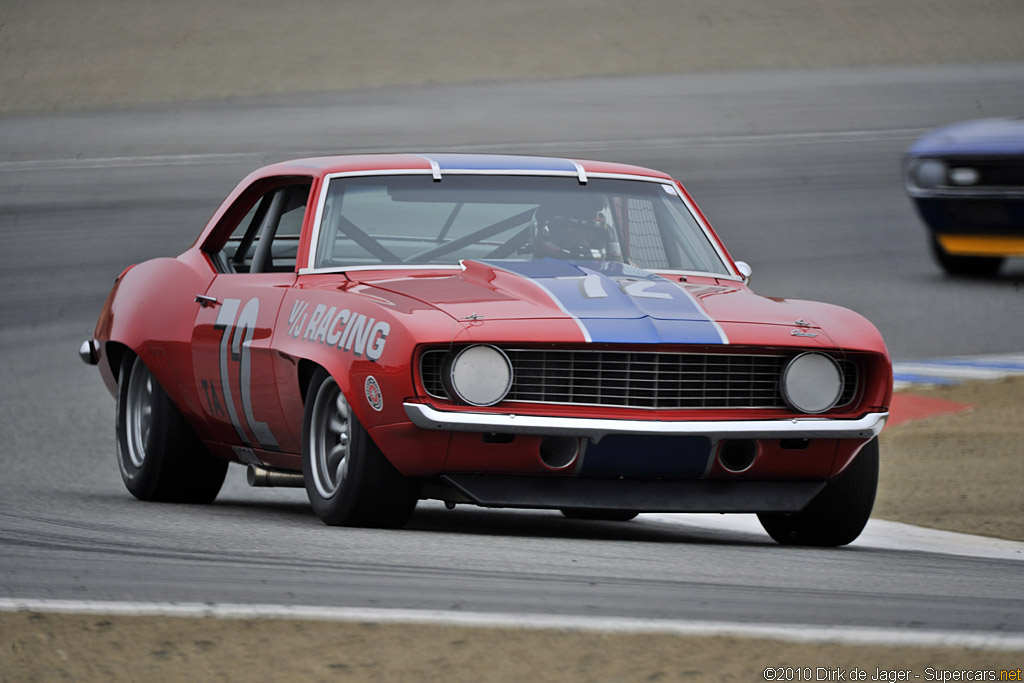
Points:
(879, 533)
(857, 136)
(130, 161)
(800, 633)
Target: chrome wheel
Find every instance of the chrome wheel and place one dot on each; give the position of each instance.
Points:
(139, 408)
(329, 439)
(348, 480)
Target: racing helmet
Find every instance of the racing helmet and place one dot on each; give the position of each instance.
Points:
(574, 227)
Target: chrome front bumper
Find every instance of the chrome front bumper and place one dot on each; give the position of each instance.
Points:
(89, 352)
(426, 417)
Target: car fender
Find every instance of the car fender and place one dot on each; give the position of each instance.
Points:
(851, 331)
(366, 339)
(356, 333)
(151, 311)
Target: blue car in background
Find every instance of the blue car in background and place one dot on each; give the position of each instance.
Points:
(967, 182)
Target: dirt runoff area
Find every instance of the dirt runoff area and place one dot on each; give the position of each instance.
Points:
(960, 471)
(49, 647)
(105, 54)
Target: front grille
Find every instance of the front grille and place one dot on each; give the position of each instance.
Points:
(640, 380)
(997, 173)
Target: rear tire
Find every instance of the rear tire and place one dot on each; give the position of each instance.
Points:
(967, 266)
(838, 514)
(348, 480)
(160, 457)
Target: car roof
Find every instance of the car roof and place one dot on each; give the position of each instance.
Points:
(981, 137)
(452, 163)
(438, 164)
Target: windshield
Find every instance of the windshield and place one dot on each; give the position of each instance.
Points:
(414, 220)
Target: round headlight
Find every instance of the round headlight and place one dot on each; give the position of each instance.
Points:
(964, 176)
(928, 173)
(480, 375)
(812, 383)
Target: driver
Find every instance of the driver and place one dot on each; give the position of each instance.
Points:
(574, 228)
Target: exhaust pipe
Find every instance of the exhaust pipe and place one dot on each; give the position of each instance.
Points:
(559, 452)
(737, 456)
(260, 477)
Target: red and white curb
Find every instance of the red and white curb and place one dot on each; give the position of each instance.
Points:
(956, 369)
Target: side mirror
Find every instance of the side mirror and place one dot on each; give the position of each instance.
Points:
(745, 270)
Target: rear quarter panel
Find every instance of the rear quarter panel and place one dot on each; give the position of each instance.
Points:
(151, 311)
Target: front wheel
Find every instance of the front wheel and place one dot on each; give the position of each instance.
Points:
(838, 514)
(348, 480)
(160, 457)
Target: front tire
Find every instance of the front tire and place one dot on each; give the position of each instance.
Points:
(348, 480)
(160, 457)
(838, 514)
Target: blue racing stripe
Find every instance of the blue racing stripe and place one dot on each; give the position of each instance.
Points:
(647, 456)
(499, 162)
(652, 331)
(617, 303)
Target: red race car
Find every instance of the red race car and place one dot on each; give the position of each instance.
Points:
(504, 331)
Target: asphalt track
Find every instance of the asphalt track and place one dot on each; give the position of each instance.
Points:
(800, 173)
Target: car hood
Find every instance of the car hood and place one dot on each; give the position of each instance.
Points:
(982, 137)
(612, 302)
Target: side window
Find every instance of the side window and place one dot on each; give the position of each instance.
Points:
(642, 236)
(658, 233)
(266, 239)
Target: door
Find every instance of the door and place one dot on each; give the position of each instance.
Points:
(232, 357)
(234, 363)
